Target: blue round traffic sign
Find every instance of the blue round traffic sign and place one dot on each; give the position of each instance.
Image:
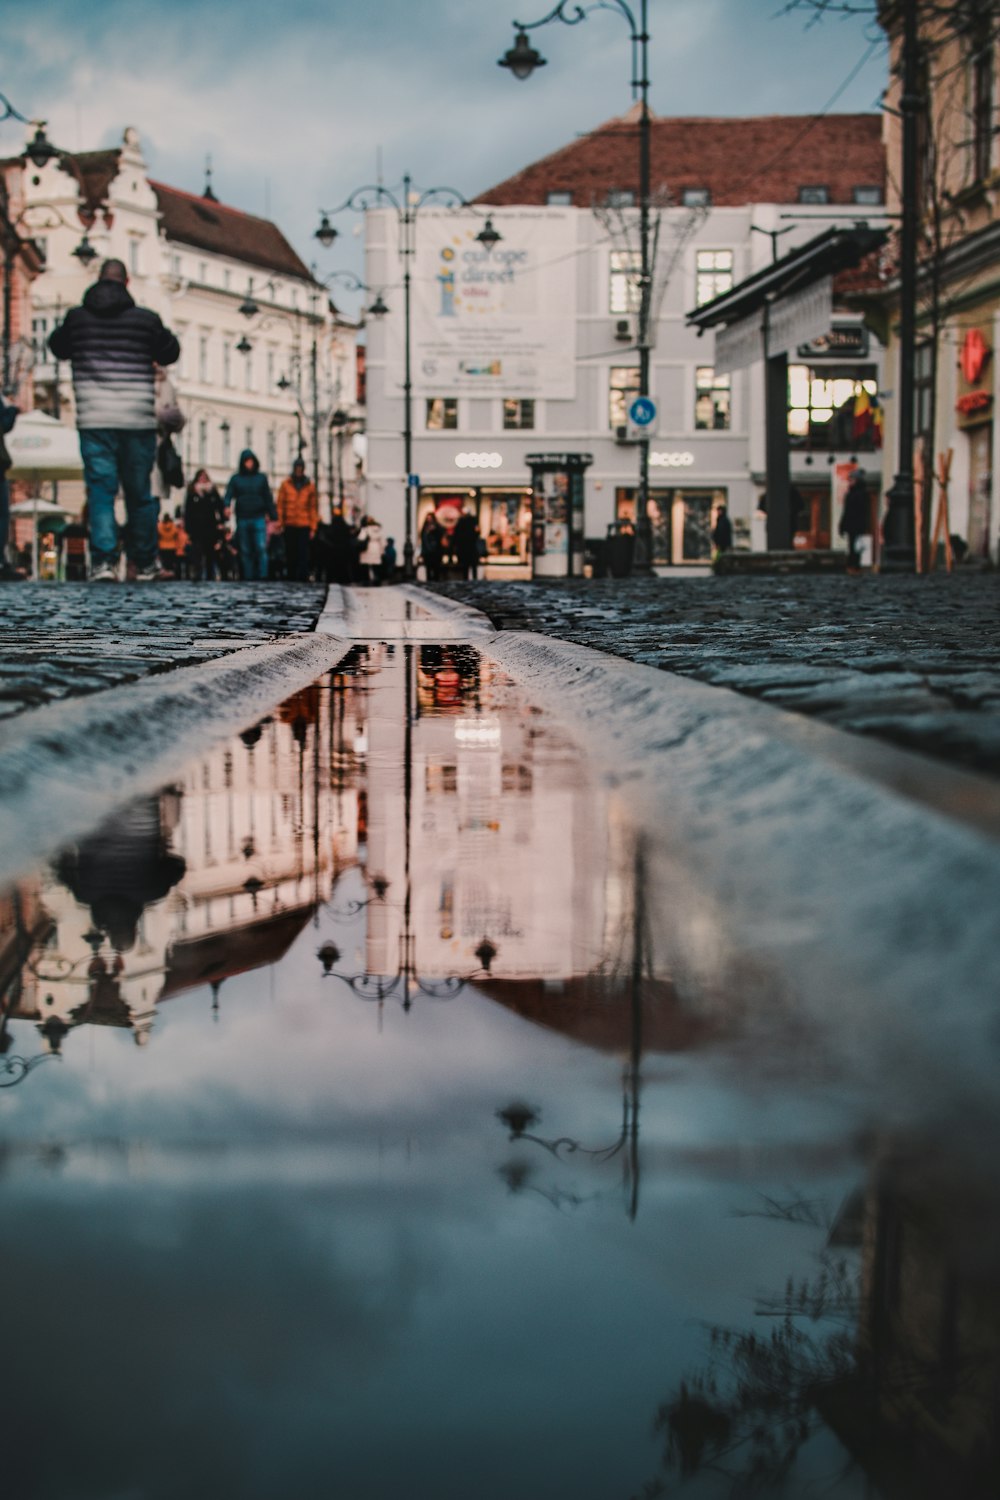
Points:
(642, 412)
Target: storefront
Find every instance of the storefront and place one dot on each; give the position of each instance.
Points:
(502, 517)
(974, 411)
(682, 521)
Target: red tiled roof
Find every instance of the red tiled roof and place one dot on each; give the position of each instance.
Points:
(191, 220)
(209, 225)
(764, 159)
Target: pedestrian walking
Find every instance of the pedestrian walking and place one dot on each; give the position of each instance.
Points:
(298, 516)
(169, 544)
(465, 543)
(249, 494)
(431, 542)
(722, 531)
(389, 561)
(114, 347)
(337, 549)
(74, 540)
(856, 519)
(8, 416)
(370, 553)
(205, 524)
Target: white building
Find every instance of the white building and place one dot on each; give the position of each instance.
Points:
(243, 381)
(529, 348)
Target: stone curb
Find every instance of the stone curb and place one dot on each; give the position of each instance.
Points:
(866, 911)
(65, 766)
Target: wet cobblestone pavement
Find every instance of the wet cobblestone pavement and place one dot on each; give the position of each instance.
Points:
(912, 661)
(61, 641)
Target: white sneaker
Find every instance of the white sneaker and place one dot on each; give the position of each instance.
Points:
(154, 573)
(104, 573)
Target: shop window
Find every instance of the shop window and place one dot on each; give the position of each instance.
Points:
(441, 413)
(870, 195)
(696, 197)
(623, 281)
(623, 387)
(559, 198)
(681, 521)
(833, 408)
(713, 274)
(814, 193)
(712, 398)
(518, 414)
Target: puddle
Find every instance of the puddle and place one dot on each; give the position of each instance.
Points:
(377, 1120)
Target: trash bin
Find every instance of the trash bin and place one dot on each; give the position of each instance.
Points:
(619, 547)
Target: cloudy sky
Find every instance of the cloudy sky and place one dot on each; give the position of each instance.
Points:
(296, 100)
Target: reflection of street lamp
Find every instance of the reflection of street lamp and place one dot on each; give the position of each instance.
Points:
(406, 206)
(522, 60)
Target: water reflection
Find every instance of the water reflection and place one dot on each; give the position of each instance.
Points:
(430, 1245)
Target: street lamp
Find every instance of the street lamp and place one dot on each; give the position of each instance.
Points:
(407, 206)
(522, 60)
(14, 246)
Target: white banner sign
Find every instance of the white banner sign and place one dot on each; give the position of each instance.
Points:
(791, 321)
(739, 345)
(499, 321)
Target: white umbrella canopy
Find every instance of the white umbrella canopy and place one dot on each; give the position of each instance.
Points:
(42, 448)
(39, 508)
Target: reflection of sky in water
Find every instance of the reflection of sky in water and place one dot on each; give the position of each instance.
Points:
(274, 1252)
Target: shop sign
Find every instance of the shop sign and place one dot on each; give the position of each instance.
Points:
(478, 460)
(973, 403)
(973, 356)
(842, 341)
(671, 459)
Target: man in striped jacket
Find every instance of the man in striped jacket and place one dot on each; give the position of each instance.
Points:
(113, 347)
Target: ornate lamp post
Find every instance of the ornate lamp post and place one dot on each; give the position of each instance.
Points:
(406, 205)
(522, 59)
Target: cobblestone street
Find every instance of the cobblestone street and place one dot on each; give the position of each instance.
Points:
(62, 641)
(913, 661)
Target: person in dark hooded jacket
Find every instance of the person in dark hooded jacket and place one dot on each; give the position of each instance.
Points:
(249, 494)
(113, 346)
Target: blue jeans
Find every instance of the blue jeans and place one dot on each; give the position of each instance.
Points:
(113, 457)
(251, 539)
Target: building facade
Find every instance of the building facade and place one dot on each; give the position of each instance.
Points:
(958, 289)
(564, 366)
(266, 359)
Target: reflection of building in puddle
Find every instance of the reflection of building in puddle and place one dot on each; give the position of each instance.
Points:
(485, 820)
(210, 878)
(893, 1345)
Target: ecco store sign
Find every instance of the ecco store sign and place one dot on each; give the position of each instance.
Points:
(671, 460)
(478, 460)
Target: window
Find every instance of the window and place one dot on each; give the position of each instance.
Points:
(227, 451)
(712, 396)
(203, 357)
(814, 193)
(696, 197)
(133, 256)
(923, 386)
(982, 109)
(203, 271)
(559, 197)
(248, 436)
(175, 265)
(867, 194)
(203, 441)
(248, 371)
(713, 274)
(39, 335)
(623, 387)
(272, 450)
(41, 244)
(227, 278)
(227, 362)
(518, 414)
(269, 383)
(620, 198)
(623, 285)
(822, 407)
(442, 413)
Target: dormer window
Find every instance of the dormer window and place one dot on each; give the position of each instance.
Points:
(814, 193)
(559, 198)
(620, 198)
(868, 194)
(696, 197)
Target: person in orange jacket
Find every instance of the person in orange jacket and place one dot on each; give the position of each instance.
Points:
(168, 538)
(298, 516)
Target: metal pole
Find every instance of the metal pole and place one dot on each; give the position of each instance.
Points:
(899, 554)
(407, 228)
(642, 557)
(8, 272)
